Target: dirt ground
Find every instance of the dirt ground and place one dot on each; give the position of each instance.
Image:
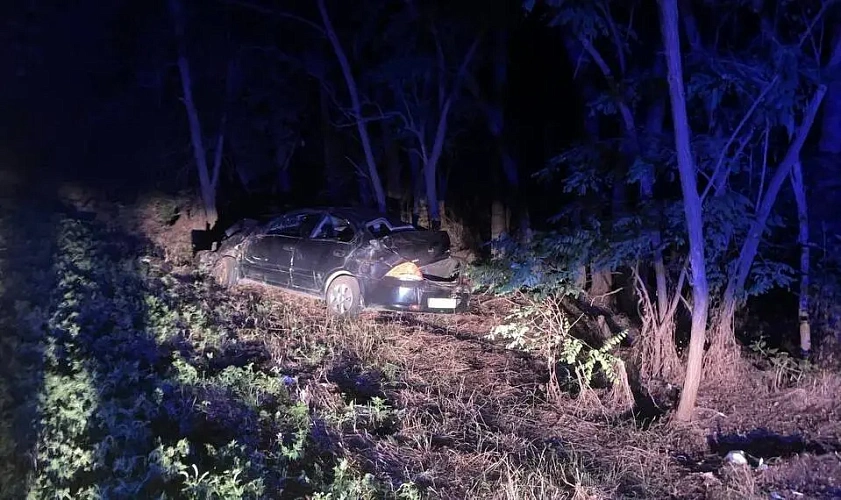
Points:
(472, 418)
(429, 400)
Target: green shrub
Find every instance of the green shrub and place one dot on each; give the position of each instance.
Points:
(130, 397)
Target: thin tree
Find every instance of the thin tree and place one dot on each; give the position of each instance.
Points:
(692, 209)
(799, 188)
(207, 180)
(356, 107)
(327, 30)
(430, 139)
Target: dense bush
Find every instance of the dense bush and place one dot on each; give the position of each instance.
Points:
(551, 263)
(114, 387)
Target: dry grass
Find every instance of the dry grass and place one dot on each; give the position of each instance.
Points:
(469, 419)
(461, 417)
(472, 419)
(475, 422)
(167, 220)
(465, 418)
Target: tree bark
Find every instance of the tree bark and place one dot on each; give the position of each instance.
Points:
(356, 106)
(799, 188)
(692, 209)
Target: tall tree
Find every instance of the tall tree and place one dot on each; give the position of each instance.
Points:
(208, 179)
(426, 77)
(355, 111)
(356, 107)
(620, 82)
(692, 208)
(741, 131)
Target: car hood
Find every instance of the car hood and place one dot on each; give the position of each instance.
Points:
(420, 247)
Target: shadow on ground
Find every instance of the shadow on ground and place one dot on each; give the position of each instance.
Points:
(120, 380)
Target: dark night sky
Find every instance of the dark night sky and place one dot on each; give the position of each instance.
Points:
(96, 90)
(92, 90)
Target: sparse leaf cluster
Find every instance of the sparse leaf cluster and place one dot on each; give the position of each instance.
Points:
(544, 328)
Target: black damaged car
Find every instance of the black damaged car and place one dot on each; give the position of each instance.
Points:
(353, 258)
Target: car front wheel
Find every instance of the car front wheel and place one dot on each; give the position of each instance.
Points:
(344, 297)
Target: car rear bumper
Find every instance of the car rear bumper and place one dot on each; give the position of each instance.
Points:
(417, 296)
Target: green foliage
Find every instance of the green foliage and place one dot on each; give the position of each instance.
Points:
(786, 369)
(747, 96)
(544, 328)
(129, 393)
(549, 264)
(348, 484)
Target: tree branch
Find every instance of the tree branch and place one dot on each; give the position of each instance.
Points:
(748, 252)
(620, 52)
(808, 33)
(598, 59)
(718, 170)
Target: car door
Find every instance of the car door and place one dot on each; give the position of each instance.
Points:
(269, 257)
(324, 252)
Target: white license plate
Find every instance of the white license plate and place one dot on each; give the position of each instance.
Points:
(441, 303)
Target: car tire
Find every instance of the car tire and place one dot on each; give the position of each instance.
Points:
(226, 271)
(344, 297)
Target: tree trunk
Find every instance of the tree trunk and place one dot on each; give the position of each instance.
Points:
(206, 186)
(723, 340)
(356, 106)
(499, 222)
(497, 128)
(432, 206)
(659, 357)
(803, 240)
(654, 128)
(601, 284)
(417, 187)
(430, 168)
(692, 209)
(431, 158)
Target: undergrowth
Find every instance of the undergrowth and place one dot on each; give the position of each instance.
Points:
(122, 384)
(121, 379)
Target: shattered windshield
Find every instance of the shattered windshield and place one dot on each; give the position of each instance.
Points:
(383, 226)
